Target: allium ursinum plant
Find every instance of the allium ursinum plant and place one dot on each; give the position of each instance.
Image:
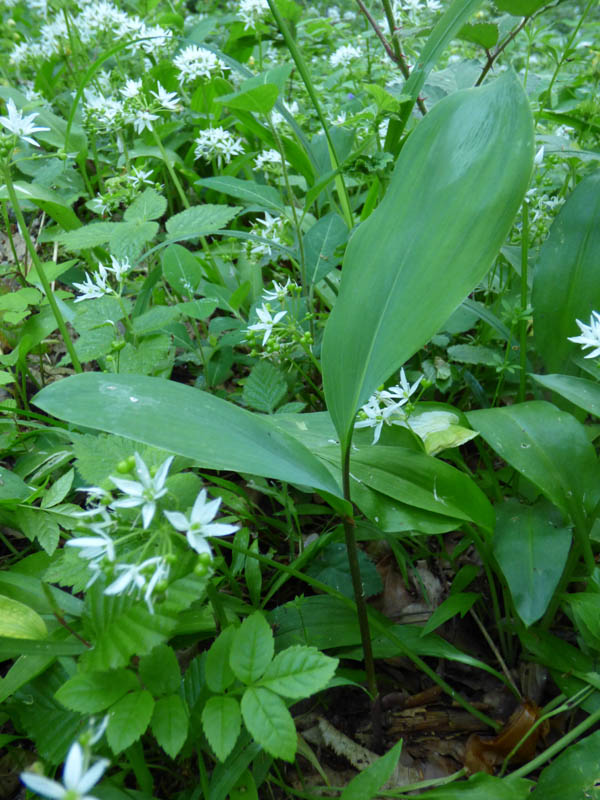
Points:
(589, 336)
(134, 551)
(281, 335)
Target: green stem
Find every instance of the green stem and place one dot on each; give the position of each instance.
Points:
(359, 594)
(523, 320)
(305, 75)
(172, 173)
(62, 327)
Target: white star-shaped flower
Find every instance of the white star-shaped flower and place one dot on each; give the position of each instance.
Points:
(267, 322)
(77, 779)
(199, 525)
(144, 492)
(21, 126)
(590, 335)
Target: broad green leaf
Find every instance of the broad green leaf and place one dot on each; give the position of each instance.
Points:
(197, 309)
(12, 487)
(170, 723)
(320, 244)
(455, 604)
(475, 354)
(367, 783)
(573, 775)
(331, 566)
(180, 419)
(270, 723)
(585, 607)
(200, 221)
(49, 201)
(567, 268)
(579, 391)
(219, 675)
(128, 719)
(520, 8)
(18, 621)
(222, 722)
(484, 787)
(252, 648)
(264, 388)
(259, 99)
(59, 490)
(298, 672)
(181, 269)
(539, 440)
(92, 235)
(128, 239)
(155, 319)
(531, 546)
(149, 205)
(91, 692)
(38, 524)
(245, 788)
(456, 188)
(159, 671)
(249, 191)
(482, 33)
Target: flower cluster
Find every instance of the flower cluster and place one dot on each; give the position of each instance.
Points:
(217, 144)
(252, 12)
(97, 285)
(344, 56)
(100, 542)
(197, 62)
(271, 230)
(590, 335)
(19, 125)
(269, 161)
(279, 338)
(387, 406)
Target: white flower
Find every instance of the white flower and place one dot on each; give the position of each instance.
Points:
(144, 493)
(268, 159)
(590, 335)
(93, 287)
(252, 12)
(344, 55)
(279, 292)
(119, 268)
(267, 322)
(197, 62)
(217, 143)
(77, 779)
(385, 406)
(95, 548)
(278, 119)
(142, 120)
(372, 416)
(139, 177)
(199, 525)
(134, 576)
(168, 100)
(399, 394)
(131, 89)
(21, 126)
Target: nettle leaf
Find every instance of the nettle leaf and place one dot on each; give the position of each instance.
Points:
(170, 724)
(128, 719)
(181, 269)
(128, 240)
(59, 490)
(159, 670)
(475, 354)
(440, 208)
(90, 692)
(219, 675)
(92, 235)
(252, 648)
(149, 205)
(331, 567)
(269, 722)
(155, 319)
(18, 621)
(222, 722)
(264, 388)
(200, 221)
(298, 672)
(38, 524)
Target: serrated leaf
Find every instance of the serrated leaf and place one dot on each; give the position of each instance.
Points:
(159, 670)
(181, 269)
(12, 487)
(18, 621)
(128, 240)
(59, 490)
(38, 524)
(270, 723)
(475, 354)
(128, 720)
(155, 319)
(200, 220)
(255, 193)
(149, 205)
(153, 355)
(252, 648)
(90, 692)
(92, 235)
(170, 724)
(222, 722)
(219, 675)
(264, 388)
(331, 567)
(298, 672)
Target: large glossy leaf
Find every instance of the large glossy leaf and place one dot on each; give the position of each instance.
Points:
(531, 546)
(566, 285)
(457, 185)
(180, 419)
(574, 774)
(548, 446)
(580, 391)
